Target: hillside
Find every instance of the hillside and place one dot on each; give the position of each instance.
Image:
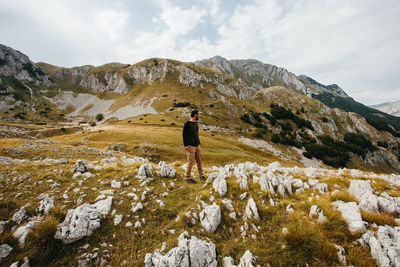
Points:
(392, 108)
(92, 167)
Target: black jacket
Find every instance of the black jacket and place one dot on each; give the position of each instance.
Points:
(190, 134)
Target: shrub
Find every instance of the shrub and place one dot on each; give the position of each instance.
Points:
(257, 117)
(92, 123)
(325, 119)
(383, 144)
(246, 118)
(181, 104)
(99, 117)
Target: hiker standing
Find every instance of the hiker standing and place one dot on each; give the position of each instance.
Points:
(191, 142)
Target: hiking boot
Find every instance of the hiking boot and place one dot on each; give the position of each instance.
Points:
(190, 181)
(202, 178)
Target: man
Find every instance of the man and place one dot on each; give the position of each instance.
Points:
(191, 142)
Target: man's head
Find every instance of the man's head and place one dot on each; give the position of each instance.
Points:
(195, 114)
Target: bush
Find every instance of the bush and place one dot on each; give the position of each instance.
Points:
(358, 144)
(257, 117)
(271, 119)
(99, 117)
(181, 104)
(325, 119)
(92, 123)
(383, 144)
(246, 118)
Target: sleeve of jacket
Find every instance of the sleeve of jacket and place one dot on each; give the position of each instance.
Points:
(186, 134)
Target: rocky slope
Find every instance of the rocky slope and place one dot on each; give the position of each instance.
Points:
(170, 88)
(114, 208)
(392, 108)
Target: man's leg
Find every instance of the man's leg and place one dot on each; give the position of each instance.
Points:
(198, 161)
(190, 154)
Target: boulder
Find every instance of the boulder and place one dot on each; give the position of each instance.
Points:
(145, 171)
(251, 210)
(21, 233)
(351, 214)
(82, 221)
(247, 260)
(385, 246)
(5, 249)
(362, 191)
(19, 216)
(191, 252)
(46, 204)
(80, 166)
(210, 218)
(317, 212)
(166, 170)
(220, 185)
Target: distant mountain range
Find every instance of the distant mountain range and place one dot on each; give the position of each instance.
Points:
(392, 108)
(246, 97)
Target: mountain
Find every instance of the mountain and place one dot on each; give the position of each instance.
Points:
(284, 114)
(92, 168)
(392, 108)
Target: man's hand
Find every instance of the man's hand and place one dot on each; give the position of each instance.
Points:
(187, 148)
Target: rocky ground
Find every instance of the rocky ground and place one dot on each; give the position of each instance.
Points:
(83, 206)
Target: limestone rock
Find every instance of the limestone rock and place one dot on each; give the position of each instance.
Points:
(145, 171)
(317, 212)
(247, 260)
(362, 191)
(351, 214)
(21, 233)
(166, 170)
(385, 247)
(80, 166)
(220, 185)
(210, 218)
(82, 221)
(251, 210)
(46, 204)
(191, 252)
(5, 249)
(19, 216)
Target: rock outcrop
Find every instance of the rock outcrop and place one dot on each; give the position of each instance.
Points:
(210, 218)
(191, 252)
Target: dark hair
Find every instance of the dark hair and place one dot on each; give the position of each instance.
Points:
(194, 112)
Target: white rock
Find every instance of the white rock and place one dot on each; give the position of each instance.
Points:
(220, 185)
(115, 184)
(247, 260)
(317, 212)
(78, 223)
(5, 249)
(243, 196)
(232, 215)
(46, 205)
(351, 214)
(166, 170)
(137, 207)
(210, 218)
(145, 171)
(80, 166)
(362, 191)
(251, 210)
(228, 204)
(104, 206)
(289, 208)
(128, 224)
(19, 216)
(341, 255)
(189, 253)
(2, 223)
(118, 219)
(21, 233)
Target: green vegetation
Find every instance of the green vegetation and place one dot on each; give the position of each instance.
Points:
(99, 117)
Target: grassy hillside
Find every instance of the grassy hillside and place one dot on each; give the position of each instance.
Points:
(307, 241)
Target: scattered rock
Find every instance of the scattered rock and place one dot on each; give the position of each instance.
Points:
(317, 212)
(251, 210)
(189, 253)
(246, 260)
(166, 170)
(46, 205)
(19, 216)
(5, 249)
(351, 214)
(21, 233)
(210, 218)
(145, 171)
(362, 191)
(80, 166)
(220, 185)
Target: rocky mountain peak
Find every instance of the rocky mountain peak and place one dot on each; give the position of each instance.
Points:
(14, 63)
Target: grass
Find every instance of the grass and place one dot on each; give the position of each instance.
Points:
(381, 218)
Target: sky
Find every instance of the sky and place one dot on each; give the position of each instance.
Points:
(353, 43)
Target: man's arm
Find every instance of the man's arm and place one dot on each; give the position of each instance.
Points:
(186, 134)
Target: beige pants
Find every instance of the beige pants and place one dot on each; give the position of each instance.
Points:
(194, 153)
